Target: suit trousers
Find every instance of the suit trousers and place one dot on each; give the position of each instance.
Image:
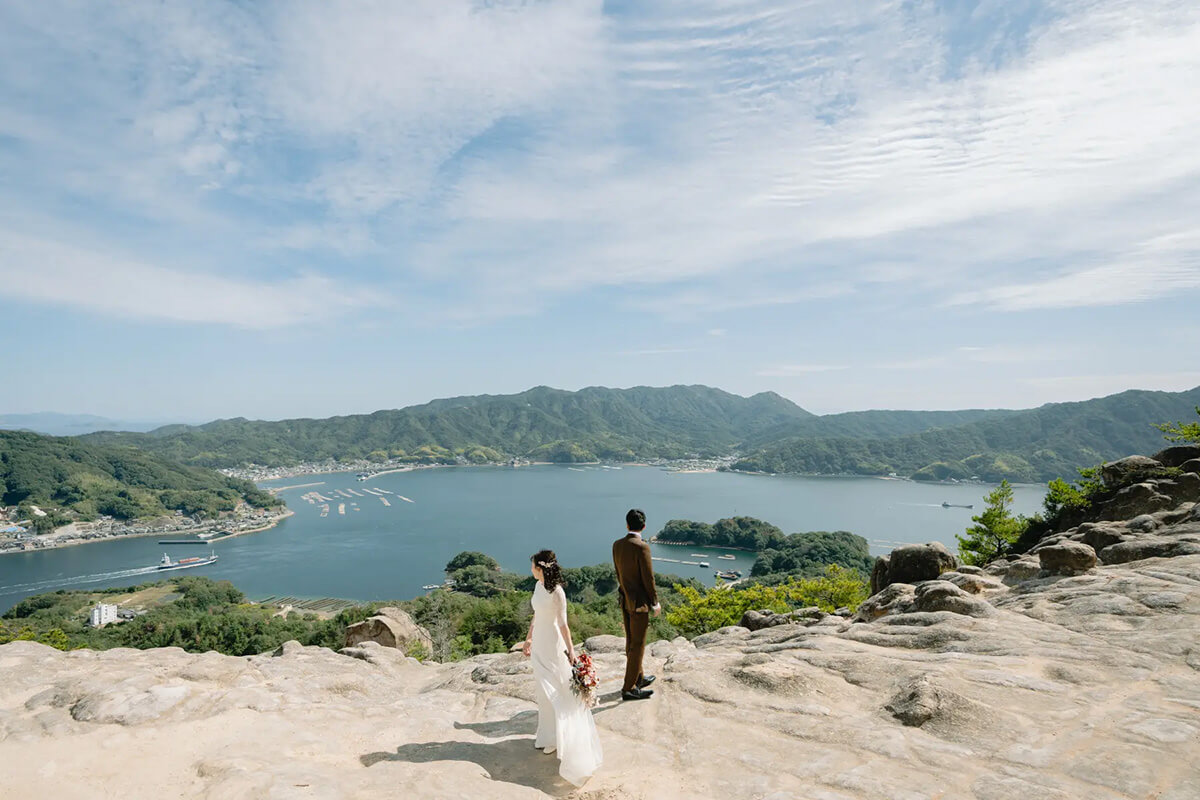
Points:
(636, 624)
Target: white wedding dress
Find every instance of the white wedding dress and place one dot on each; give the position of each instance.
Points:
(563, 721)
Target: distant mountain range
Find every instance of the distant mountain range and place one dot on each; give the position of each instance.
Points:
(772, 433)
(542, 423)
(1039, 444)
(52, 424)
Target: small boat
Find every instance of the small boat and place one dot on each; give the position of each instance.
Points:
(184, 563)
(429, 586)
(704, 563)
(729, 575)
(956, 505)
(728, 558)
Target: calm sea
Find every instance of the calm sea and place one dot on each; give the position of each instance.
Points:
(378, 552)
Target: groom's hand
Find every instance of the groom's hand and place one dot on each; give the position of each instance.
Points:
(657, 609)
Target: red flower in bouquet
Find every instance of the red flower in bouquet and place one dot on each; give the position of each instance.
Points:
(584, 680)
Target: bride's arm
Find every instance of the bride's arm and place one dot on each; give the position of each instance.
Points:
(560, 619)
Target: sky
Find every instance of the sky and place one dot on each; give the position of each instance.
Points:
(273, 210)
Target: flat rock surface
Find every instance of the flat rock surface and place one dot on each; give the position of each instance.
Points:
(1084, 686)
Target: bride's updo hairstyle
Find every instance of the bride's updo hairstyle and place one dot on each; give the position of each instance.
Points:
(551, 572)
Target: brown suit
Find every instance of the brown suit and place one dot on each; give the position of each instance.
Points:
(635, 578)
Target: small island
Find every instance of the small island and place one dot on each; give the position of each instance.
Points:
(778, 553)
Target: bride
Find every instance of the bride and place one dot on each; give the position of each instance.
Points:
(565, 725)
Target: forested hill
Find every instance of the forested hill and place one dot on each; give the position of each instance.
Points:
(76, 479)
(772, 433)
(1036, 445)
(542, 424)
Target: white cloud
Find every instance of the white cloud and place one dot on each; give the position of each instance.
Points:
(714, 156)
(37, 270)
(1162, 267)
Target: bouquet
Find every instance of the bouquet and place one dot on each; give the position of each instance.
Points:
(584, 680)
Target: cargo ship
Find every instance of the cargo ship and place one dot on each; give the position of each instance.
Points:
(185, 563)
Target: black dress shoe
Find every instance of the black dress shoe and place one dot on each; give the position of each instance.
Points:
(645, 681)
(637, 694)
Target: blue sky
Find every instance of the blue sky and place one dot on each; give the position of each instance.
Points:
(306, 208)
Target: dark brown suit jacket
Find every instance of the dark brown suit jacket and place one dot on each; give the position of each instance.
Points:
(635, 575)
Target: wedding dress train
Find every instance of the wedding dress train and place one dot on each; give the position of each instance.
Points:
(563, 721)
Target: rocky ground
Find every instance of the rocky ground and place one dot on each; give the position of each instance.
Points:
(1013, 682)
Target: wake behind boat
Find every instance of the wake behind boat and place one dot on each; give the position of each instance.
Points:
(185, 563)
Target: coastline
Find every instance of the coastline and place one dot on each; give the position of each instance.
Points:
(73, 541)
(345, 470)
(710, 546)
(302, 472)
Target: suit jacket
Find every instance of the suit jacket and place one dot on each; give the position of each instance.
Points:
(635, 575)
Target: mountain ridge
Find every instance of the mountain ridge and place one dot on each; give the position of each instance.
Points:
(772, 433)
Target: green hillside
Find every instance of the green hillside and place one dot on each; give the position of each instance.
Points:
(772, 433)
(542, 423)
(1036, 445)
(81, 480)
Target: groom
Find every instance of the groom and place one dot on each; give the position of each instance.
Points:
(635, 579)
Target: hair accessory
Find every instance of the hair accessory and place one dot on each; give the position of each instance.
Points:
(544, 564)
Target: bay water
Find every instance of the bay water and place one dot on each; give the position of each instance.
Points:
(378, 551)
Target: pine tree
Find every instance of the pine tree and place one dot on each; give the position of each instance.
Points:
(994, 531)
(1182, 431)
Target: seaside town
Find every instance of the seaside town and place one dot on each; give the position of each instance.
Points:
(370, 469)
(17, 535)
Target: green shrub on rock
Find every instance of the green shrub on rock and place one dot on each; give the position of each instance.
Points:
(704, 611)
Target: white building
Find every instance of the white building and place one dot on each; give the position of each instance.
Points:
(102, 615)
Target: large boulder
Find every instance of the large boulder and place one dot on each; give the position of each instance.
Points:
(1121, 471)
(879, 574)
(945, 596)
(1143, 524)
(1018, 570)
(1184, 488)
(1148, 547)
(971, 582)
(390, 627)
(1100, 535)
(1135, 500)
(896, 598)
(1192, 466)
(912, 563)
(757, 620)
(1067, 558)
(1178, 455)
